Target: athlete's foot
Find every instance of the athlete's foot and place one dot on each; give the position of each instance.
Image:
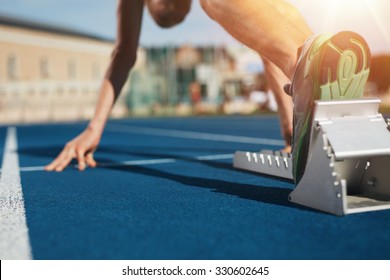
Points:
(329, 67)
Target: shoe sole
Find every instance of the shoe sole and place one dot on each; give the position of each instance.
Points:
(343, 68)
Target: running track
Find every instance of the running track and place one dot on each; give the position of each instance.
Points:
(166, 189)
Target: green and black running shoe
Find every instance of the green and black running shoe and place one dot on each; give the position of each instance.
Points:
(330, 67)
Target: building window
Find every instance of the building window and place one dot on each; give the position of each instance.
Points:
(72, 69)
(12, 67)
(44, 67)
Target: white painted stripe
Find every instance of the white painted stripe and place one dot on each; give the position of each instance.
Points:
(107, 164)
(215, 157)
(14, 239)
(192, 135)
(32, 168)
(137, 162)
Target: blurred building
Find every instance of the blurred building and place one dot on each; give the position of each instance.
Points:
(168, 78)
(50, 73)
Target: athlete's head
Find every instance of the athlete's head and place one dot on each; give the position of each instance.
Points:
(167, 13)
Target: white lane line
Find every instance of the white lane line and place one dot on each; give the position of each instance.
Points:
(138, 162)
(192, 135)
(32, 168)
(107, 164)
(14, 239)
(215, 157)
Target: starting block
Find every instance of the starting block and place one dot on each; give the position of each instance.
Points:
(348, 165)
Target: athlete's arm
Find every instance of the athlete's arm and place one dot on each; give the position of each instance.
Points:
(129, 17)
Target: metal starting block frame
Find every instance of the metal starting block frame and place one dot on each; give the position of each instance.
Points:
(348, 165)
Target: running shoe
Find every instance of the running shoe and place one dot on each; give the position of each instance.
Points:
(329, 67)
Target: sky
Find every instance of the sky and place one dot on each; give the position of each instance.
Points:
(370, 18)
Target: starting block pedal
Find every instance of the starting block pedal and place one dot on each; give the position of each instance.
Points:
(348, 161)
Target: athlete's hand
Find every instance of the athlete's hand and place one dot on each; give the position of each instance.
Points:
(81, 148)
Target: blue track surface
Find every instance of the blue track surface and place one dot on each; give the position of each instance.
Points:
(169, 202)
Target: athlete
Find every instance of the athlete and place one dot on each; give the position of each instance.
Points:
(312, 67)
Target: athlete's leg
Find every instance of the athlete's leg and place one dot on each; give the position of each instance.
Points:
(276, 80)
(273, 28)
(167, 13)
(328, 67)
